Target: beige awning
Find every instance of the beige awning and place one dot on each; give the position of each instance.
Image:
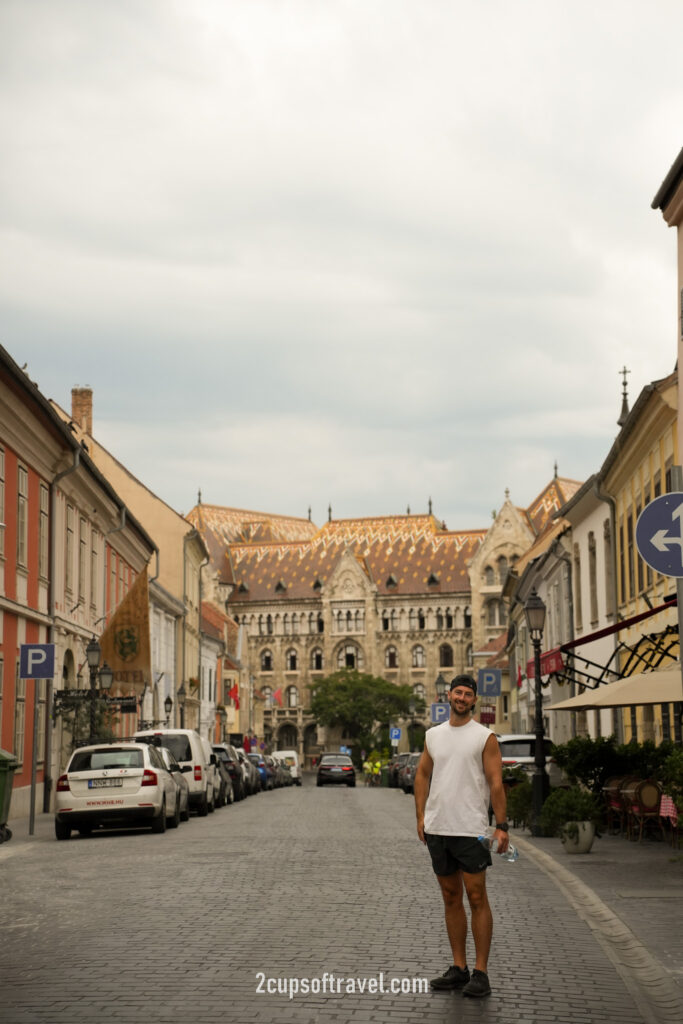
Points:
(662, 687)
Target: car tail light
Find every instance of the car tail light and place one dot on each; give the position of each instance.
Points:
(197, 773)
(63, 784)
(347, 768)
(149, 778)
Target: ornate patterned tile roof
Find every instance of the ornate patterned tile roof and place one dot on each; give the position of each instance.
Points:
(400, 555)
(549, 501)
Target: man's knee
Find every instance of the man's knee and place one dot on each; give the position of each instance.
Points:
(476, 894)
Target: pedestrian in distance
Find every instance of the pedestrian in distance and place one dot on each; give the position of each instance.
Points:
(462, 760)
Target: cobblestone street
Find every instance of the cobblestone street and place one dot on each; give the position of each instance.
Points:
(291, 884)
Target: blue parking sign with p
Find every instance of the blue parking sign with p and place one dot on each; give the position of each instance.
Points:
(489, 682)
(36, 661)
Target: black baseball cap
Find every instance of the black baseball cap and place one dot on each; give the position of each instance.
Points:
(464, 680)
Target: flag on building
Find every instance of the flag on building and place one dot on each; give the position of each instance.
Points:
(278, 696)
(234, 695)
(125, 641)
(519, 677)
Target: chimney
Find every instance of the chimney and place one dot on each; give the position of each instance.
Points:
(81, 409)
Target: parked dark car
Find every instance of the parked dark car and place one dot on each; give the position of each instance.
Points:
(229, 757)
(226, 793)
(336, 769)
(406, 778)
(396, 763)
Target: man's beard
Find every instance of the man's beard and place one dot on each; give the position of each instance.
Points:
(463, 712)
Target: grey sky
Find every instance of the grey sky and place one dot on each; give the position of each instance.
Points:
(351, 252)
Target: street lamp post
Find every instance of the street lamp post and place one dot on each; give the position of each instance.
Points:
(105, 675)
(168, 706)
(441, 686)
(535, 616)
(182, 694)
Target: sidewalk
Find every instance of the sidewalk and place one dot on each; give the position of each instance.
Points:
(631, 896)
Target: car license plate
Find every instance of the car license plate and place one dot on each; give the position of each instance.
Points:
(103, 783)
(336, 769)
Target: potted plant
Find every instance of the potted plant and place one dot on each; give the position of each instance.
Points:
(573, 814)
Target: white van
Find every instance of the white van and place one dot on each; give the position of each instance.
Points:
(194, 755)
(291, 759)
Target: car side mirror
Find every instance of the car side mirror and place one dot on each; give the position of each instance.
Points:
(213, 760)
(186, 768)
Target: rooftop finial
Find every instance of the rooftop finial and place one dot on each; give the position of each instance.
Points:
(555, 470)
(199, 496)
(408, 510)
(329, 513)
(507, 493)
(624, 398)
(309, 513)
(430, 506)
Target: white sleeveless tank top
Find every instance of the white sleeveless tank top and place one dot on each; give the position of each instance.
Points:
(458, 800)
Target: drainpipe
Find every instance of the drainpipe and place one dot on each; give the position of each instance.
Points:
(563, 556)
(187, 537)
(49, 687)
(199, 655)
(609, 500)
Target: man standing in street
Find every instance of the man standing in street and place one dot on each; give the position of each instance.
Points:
(462, 760)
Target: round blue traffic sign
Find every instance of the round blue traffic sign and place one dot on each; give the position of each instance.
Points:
(659, 534)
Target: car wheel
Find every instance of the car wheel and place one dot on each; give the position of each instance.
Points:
(185, 815)
(351, 785)
(212, 806)
(159, 823)
(62, 830)
(318, 783)
(203, 806)
(175, 820)
(86, 831)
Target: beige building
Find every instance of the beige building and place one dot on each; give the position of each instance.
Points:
(178, 581)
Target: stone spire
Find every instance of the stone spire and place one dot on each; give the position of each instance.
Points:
(624, 399)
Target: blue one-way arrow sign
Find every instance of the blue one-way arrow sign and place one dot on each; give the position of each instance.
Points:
(659, 534)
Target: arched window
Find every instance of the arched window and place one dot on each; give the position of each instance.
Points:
(292, 696)
(439, 619)
(419, 656)
(358, 620)
(260, 625)
(419, 691)
(349, 656)
(489, 576)
(267, 692)
(421, 619)
(317, 659)
(385, 621)
(349, 621)
(468, 618)
(321, 623)
(449, 619)
(445, 656)
(502, 568)
(285, 623)
(492, 613)
(295, 623)
(290, 660)
(391, 658)
(269, 625)
(266, 661)
(412, 619)
(468, 655)
(312, 622)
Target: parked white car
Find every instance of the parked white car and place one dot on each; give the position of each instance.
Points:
(112, 784)
(194, 755)
(519, 749)
(291, 759)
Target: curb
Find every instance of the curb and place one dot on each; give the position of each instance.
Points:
(654, 992)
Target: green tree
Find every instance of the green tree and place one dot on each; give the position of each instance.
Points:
(361, 704)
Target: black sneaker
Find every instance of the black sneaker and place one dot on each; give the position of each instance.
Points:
(478, 986)
(454, 977)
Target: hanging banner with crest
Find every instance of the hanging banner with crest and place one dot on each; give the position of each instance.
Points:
(125, 642)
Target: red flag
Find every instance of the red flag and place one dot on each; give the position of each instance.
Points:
(519, 677)
(278, 696)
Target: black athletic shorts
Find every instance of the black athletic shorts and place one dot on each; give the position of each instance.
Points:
(457, 853)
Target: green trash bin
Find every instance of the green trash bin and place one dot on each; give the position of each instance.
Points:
(8, 763)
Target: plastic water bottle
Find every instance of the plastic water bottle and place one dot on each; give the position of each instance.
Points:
(511, 854)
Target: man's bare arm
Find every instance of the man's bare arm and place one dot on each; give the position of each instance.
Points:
(493, 770)
(423, 776)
